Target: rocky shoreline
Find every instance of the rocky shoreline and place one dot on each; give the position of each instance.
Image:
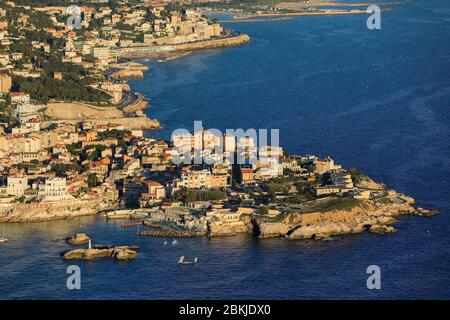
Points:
(43, 215)
(321, 225)
(364, 215)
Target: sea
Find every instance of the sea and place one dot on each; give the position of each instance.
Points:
(378, 100)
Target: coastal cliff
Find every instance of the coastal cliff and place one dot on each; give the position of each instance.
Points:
(49, 211)
(221, 230)
(140, 106)
(325, 218)
(143, 123)
(364, 215)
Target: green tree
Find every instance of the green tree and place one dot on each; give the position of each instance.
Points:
(92, 180)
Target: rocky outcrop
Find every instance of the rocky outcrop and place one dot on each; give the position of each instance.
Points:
(139, 106)
(143, 123)
(128, 74)
(126, 87)
(78, 238)
(27, 214)
(226, 229)
(273, 229)
(381, 229)
(115, 252)
(367, 215)
(322, 237)
(368, 183)
(426, 213)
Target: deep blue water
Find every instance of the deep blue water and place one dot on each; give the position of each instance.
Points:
(376, 99)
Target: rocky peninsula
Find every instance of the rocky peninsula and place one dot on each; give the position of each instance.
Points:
(321, 222)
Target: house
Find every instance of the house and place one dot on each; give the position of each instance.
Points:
(17, 185)
(20, 98)
(55, 189)
(59, 149)
(155, 193)
(246, 175)
(201, 177)
(5, 83)
(326, 165)
(58, 75)
(4, 59)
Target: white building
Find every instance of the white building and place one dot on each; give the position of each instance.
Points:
(20, 98)
(17, 186)
(55, 189)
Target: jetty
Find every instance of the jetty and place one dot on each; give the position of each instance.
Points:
(131, 224)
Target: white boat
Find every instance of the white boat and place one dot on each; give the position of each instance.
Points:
(182, 261)
(174, 242)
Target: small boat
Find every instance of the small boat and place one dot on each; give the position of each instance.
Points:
(160, 60)
(182, 261)
(165, 242)
(174, 242)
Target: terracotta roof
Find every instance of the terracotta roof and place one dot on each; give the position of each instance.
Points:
(18, 94)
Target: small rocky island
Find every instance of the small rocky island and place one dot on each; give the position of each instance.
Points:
(78, 238)
(97, 252)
